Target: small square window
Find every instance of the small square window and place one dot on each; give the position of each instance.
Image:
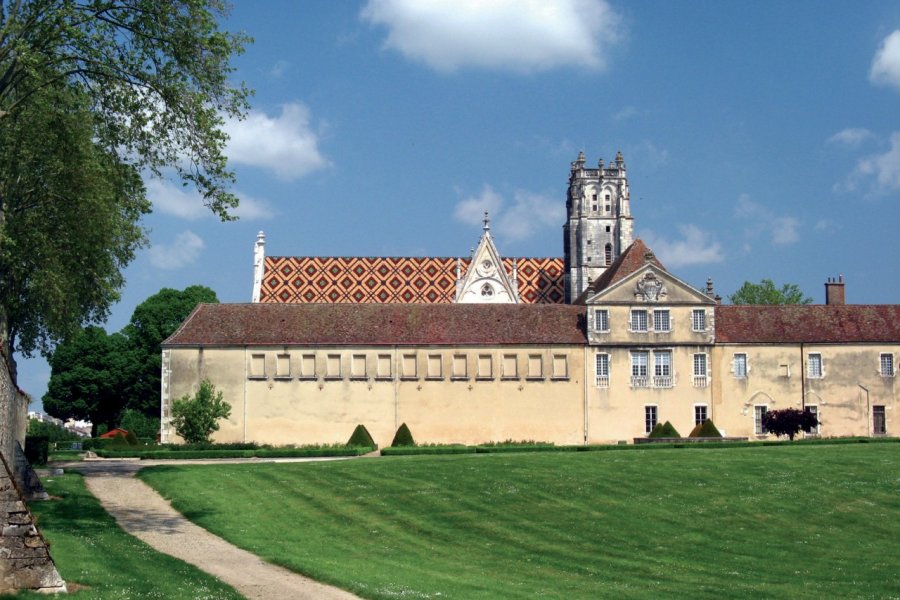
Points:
(358, 366)
(383, 366)
(283, 366)
(459, 367)
(601, 320)
(535, 366)
(485, 366)
(886, 362)
(639, 320)
(333, 366)
(308, 366)
(434, 367)
(257, 366)
(560, 366)
(408, 367)
(510, 366)
(661, 321)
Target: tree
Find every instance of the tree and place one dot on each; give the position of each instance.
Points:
(195, 419)
(87, 376)
(789, 421)
(765, 292)
(152, 321)
(149, 82)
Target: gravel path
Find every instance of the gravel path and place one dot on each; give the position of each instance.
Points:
(143, 513)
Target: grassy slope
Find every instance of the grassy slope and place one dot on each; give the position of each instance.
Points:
(746, 522)
(91, 550)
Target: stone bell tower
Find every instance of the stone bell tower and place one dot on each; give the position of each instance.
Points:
(598, 225)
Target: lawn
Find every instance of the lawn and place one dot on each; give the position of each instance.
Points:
(787, 522)
(104, 562)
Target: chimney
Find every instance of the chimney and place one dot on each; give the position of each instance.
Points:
(834, 291)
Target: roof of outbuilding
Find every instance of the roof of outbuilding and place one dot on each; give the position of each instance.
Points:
(808, 323)
(380, 324)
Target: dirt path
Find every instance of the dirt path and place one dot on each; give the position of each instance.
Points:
(143, 513)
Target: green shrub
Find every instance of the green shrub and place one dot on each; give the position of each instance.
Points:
(37, 448)
(403, 437)
(142, 425)
(664, 430)
(131, 438)
(706, 429)
(361, 438)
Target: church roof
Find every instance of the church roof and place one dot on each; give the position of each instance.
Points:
(808, 323)
(379, 325)
(632, 258)
(395, 280)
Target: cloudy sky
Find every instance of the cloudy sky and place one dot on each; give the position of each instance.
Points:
(762, 139)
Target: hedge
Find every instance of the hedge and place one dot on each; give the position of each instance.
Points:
(253, 453)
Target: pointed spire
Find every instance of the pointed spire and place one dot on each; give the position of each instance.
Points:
(487, 221)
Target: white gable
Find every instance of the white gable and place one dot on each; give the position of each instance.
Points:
(486, 281)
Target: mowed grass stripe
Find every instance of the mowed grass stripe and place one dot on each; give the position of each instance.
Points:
(799, 522)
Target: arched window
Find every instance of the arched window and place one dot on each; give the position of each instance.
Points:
(609, 254)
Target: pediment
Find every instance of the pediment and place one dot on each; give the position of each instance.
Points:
(486, 280)
(649, 285)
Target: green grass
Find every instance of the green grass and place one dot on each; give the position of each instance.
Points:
(784, 521)
(103, 561)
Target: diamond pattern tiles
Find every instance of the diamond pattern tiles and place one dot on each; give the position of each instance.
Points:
(290, 279)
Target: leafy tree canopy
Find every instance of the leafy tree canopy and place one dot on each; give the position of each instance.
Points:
(195, 419)
(789, 422)
(93, 93)
(765, 292)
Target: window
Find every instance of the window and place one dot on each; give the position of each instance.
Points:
(358, 366)
(700, 371)
(814, 366)
(283, 366)
(308, 366)
(535, 366)
(698, 319)
(383, 366)
(601, 320)
(887, 365)
(257, 366)
(333, 366)
(487, 291)
(650, 418)
(601, 367)
(608, 254)
(661, 321)
(459, 367)
(485, 366)
(639, 320)
(510, 366)
(759, 427)
(408, 367)
(879, 423)
(433, 370)
(662, 369)
(639, 369)
(814, 411)
(739, 366)
(700, 413)
(560, 366)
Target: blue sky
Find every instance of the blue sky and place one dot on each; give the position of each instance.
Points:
(762, 139)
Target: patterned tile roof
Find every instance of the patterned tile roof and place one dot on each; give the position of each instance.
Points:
(380, 325)
(395, 280)
(808, 323)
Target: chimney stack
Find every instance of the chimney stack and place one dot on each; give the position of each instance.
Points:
(834, 291)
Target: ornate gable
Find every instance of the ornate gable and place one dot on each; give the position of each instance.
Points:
(649, 285)
(486, 280)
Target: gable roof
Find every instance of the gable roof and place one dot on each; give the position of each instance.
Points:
(808, 323)
(401, 280)
(379, 325)
(632, 258)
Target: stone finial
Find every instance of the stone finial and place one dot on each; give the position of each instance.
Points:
(600, 164)
(620, 160)
(487, 221)
(709, 287)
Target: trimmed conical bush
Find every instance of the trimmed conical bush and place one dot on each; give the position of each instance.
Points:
(361, 438)
(706, 429)
(664, 430)
(403, 437)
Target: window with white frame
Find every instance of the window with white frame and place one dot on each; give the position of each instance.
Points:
(601, 320)
(638, 320)
(651, 417)
(886, 363)
(639, 360)
(698, 319)
(701, 371)
(740, 365)
(814, 411)
(814, 366)
(662, 368)
(759, 427)
(601, 367)
(701, 413)
(662, 322)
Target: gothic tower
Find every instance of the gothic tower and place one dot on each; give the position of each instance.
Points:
(598, 221)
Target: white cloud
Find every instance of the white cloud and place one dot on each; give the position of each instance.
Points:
(886, 65)
(696, 247)
(883, 168)
(516, 35)
(186, 203)
(185, 250)
(471, 210)
(284, 145)
(278, 70)
(648, 155)
(529, 214)
(852, 136)
(625, 114)
(781, 230)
